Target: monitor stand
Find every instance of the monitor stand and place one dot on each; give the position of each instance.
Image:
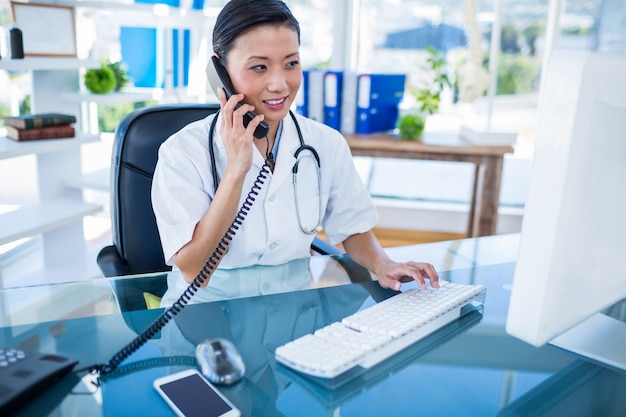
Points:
(600, 338)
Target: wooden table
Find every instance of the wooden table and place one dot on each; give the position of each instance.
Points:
(488, 161)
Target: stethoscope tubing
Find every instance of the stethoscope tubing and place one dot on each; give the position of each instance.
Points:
(303, 147)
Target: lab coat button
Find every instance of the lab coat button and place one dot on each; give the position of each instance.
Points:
(266, 287)
(271, 198)
(274, 245)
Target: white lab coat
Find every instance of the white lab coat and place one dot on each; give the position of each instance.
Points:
(183, 189)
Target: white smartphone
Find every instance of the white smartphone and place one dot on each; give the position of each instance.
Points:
(191, 395)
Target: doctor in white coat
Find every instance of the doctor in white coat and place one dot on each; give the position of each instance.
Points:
(212, 168)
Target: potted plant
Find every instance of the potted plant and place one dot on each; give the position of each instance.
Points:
(428, 95)
(121, 74)
(111, 76)
(100, 80)
(410, 126)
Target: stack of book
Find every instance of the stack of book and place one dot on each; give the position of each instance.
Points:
(40, 126)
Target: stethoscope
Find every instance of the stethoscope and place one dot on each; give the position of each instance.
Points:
(299, 155)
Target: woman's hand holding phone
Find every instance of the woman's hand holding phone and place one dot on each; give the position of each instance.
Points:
(238, 140)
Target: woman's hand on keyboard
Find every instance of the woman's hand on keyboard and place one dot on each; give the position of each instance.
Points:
(392, 274)
(365, 249)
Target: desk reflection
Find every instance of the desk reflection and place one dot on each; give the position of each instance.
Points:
(227, 284)
(256, 326)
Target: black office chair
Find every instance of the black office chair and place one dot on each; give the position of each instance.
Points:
(136, 247)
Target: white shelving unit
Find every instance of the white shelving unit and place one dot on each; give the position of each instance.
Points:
(64, 181)
(59, 211)
(99, 180)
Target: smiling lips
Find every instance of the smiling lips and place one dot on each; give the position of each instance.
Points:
(275, 104)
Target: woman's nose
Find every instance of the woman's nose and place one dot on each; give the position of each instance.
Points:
(277, 81)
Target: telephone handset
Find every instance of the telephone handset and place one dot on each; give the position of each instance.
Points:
(219, 78)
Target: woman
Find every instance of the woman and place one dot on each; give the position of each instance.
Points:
(258, 43)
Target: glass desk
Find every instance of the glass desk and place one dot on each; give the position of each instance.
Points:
(471, 367)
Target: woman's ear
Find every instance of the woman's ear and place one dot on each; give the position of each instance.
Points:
(215, 54)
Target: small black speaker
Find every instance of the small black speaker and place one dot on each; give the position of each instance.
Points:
(17, 43)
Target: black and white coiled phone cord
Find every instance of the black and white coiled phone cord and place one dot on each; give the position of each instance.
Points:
(196, 284)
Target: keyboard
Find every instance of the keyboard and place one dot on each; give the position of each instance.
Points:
(377, 332)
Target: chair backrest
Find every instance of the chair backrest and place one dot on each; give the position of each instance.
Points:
(135, 150)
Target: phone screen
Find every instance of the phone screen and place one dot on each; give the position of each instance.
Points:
(193, 396)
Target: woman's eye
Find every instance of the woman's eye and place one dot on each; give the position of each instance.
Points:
(293, 64)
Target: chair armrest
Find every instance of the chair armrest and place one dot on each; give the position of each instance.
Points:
(355, 272)
(324, 248)
(111, 263)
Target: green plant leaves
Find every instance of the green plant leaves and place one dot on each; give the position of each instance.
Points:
(410, 126)
(100, 80)
(430, 98)
(111, 76)
(121, 75)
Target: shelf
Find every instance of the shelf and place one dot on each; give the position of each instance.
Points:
(10, 148)
(129, 7)
(115, 98)
(96, 180)
(34, 219)
(47, 64)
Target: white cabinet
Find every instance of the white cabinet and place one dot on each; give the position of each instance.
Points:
(58, 212)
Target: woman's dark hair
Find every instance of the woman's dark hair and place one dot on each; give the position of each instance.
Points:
(238, 16)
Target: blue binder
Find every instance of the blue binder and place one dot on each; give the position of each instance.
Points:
(302, 98)
(181, 48)
(348, 102)
(315, 95)
(195, 4)
(378, 98)
(144, 53)
(139, 52)
(332, 98)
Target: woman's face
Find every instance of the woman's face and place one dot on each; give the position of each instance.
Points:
(264, 65)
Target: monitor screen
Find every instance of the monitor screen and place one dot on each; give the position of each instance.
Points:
(572, 256)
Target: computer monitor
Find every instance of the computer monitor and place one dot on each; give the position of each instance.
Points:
(572, 257)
